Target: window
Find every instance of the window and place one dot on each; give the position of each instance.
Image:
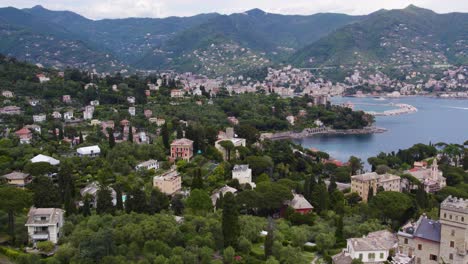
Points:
(452, 244)
(418, 261)
(406, 241)
(451, 256)
(371, 256)
(453, 232)
(450, 216)
(419, 247)
(445, 215)
(360, 256)
(381, 255)
(433, 257)
(463, 219)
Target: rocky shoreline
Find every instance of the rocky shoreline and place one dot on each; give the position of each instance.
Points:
(309, 132)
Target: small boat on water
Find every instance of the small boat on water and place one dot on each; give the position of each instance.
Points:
(380, 99)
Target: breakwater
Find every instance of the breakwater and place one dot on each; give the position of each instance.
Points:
(309, 132)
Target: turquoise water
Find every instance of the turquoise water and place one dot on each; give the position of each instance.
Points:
(437, 120)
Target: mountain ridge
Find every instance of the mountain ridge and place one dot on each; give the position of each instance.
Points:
(222, 44)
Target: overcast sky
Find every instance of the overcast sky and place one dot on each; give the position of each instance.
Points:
(98, 9)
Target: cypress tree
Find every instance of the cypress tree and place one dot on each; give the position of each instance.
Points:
(119, 202)
(165, 136)
(230, 221)
(86, 210)
(270, 238)
(104, 201)
(111, 138)
(130, 134)
(197, 182)
(421, 197)
(180, 132)
(332, 187)
(138, 203)
(370, 193)
(320, 197)
(81, 138)
(339, 230)
(68, 201)
(60, 136)
(219, 201)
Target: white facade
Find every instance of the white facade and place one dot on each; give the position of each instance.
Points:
(242, 173)
(131, 111)
(68, 115)
(88, 112)
(90, 151)
(44, 224)
(131, 99)
(39, 118)
(149, 164)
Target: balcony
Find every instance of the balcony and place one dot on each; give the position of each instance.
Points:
(40, 235)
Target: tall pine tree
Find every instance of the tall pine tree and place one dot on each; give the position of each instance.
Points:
(270, 238)
(230, 221)
(165, 136)
(197, 182)
(111, 138)
(130, 134)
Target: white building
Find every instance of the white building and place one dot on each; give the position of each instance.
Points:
(148, 165)
(131, 111)
(88, 112)
(56, 115)
(7, 94)
(91, 151)
(290, 119)
(243, 174)
(229, 136)
(373, 248)
(68, 115)
(131, 99)
(94, 103)
(44, 158)
(44, 224)
(39, 118)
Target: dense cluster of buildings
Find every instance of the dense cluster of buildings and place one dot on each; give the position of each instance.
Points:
(424, 241)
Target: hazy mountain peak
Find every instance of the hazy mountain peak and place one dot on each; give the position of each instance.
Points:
(38, 7)
(416, 9)
(255, 12)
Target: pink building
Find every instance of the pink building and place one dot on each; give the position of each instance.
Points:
(182, 148)
(66, 98)
(148, 113)
(25, 135)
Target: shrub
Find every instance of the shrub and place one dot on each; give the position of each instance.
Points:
(45, 246)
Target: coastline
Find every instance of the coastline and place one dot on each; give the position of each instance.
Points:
(309, 132)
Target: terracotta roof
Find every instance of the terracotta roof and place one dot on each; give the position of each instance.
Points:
(182, 141)
(23, 131)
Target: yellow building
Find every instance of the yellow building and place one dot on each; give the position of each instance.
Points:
(169, 182)
(362, 183)
(18, 179)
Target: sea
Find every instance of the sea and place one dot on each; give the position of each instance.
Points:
(437, 120)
